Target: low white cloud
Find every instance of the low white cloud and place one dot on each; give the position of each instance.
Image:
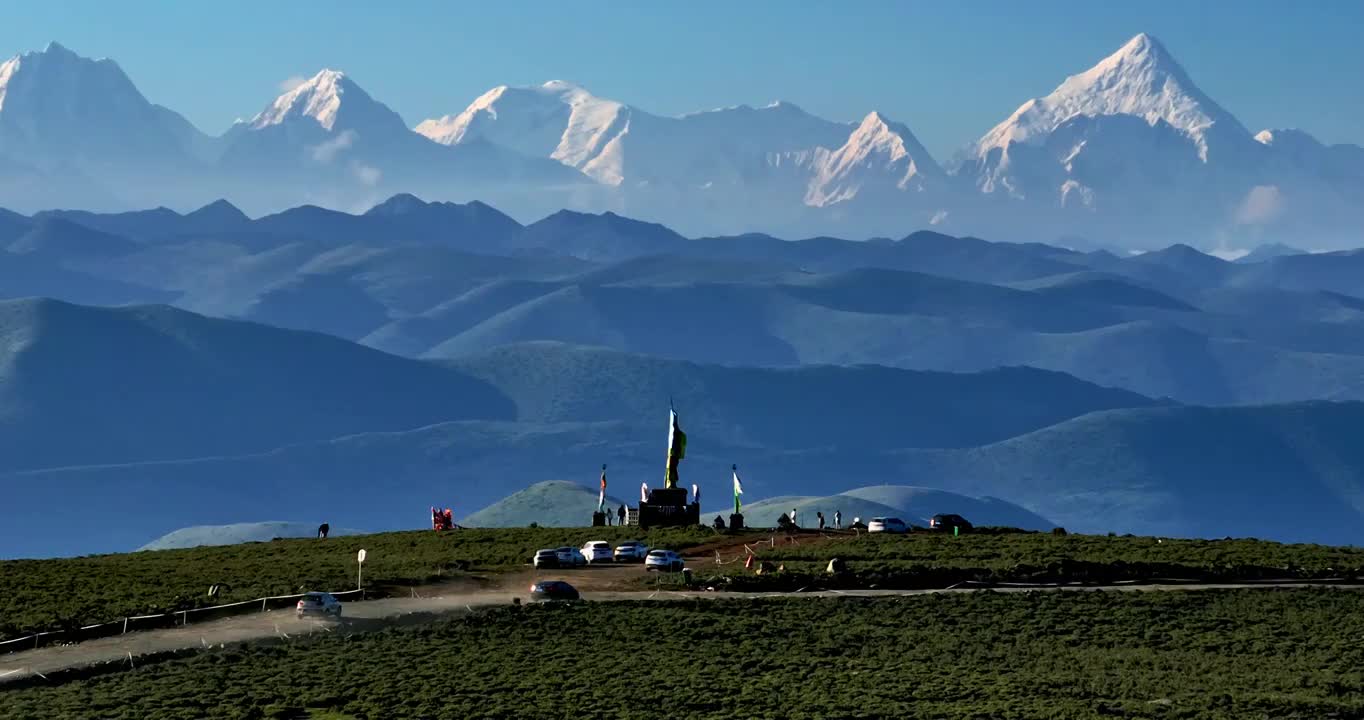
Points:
(1261, 205)
(938, 218)
(291, 82)
(327, 151)
(1229, 253)
(367, 174)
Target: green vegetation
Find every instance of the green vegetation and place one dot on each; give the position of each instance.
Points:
(1207, 654)
(65, 593)
(1003, 551)
(925, 559)
(40, 595)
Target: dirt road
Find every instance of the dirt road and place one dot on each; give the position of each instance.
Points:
(430, 604)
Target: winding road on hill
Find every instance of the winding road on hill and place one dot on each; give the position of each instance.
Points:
(435, 602)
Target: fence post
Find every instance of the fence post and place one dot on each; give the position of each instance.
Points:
(262, 604)
(125, 626)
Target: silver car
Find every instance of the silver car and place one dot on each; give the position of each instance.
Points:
(318, 604)
(571, 557)
(631, 551)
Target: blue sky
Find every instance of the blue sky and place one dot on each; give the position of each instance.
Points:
(949, 70)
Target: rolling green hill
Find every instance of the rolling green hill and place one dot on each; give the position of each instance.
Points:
(914, 505)
(235, 533)
(553, 503)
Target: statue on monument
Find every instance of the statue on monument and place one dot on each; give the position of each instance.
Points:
(677, 449)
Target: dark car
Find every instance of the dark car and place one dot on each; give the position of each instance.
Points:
(547, 590)
(945, 522)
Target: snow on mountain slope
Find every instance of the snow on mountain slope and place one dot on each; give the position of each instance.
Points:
(60, 109)
(334, 102)
(556, 120)
(328, 124)
(617, 144)
(1128, 153)
(879, 150)
(1140, 79)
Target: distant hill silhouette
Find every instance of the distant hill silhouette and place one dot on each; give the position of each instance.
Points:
(171, 419)
(914, 505)
(553, 503)
(239, 533)
(1290, 473)
(444, 280)
(863, 407)
(81, 385)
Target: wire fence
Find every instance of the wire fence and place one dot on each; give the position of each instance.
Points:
(176, 618)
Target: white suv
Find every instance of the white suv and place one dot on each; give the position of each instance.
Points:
(598, 551)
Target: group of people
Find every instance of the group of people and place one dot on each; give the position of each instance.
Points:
(619, 514)
(789, 522)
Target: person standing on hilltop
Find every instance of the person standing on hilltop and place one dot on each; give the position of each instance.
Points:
(794, 524)
(820, 516)
(838, 519)
(620, 515)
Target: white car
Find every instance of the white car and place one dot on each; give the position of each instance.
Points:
(598, 551)
(571, 557)
(887, 525)
(545, 559)
(319, 603)
(665, 560)
(631, 551)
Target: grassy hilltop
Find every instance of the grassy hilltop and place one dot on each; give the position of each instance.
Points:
(1210, 654)
(70, 592)
(48, 594)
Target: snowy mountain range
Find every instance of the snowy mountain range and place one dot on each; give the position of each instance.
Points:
(1129, 153)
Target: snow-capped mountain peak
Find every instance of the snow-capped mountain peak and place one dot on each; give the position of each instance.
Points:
(1142, 78)
(878, 150)
(318, 98)
(557, 119)
(59, 108)
(55, 69)
(876, 134)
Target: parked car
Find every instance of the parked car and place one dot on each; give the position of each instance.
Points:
(549, 590)
(631, 551)
(947, 522)
(571, 557)
(545, 559)
(887, 524)
(665, 560)
(319, 603)
(598, 551)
